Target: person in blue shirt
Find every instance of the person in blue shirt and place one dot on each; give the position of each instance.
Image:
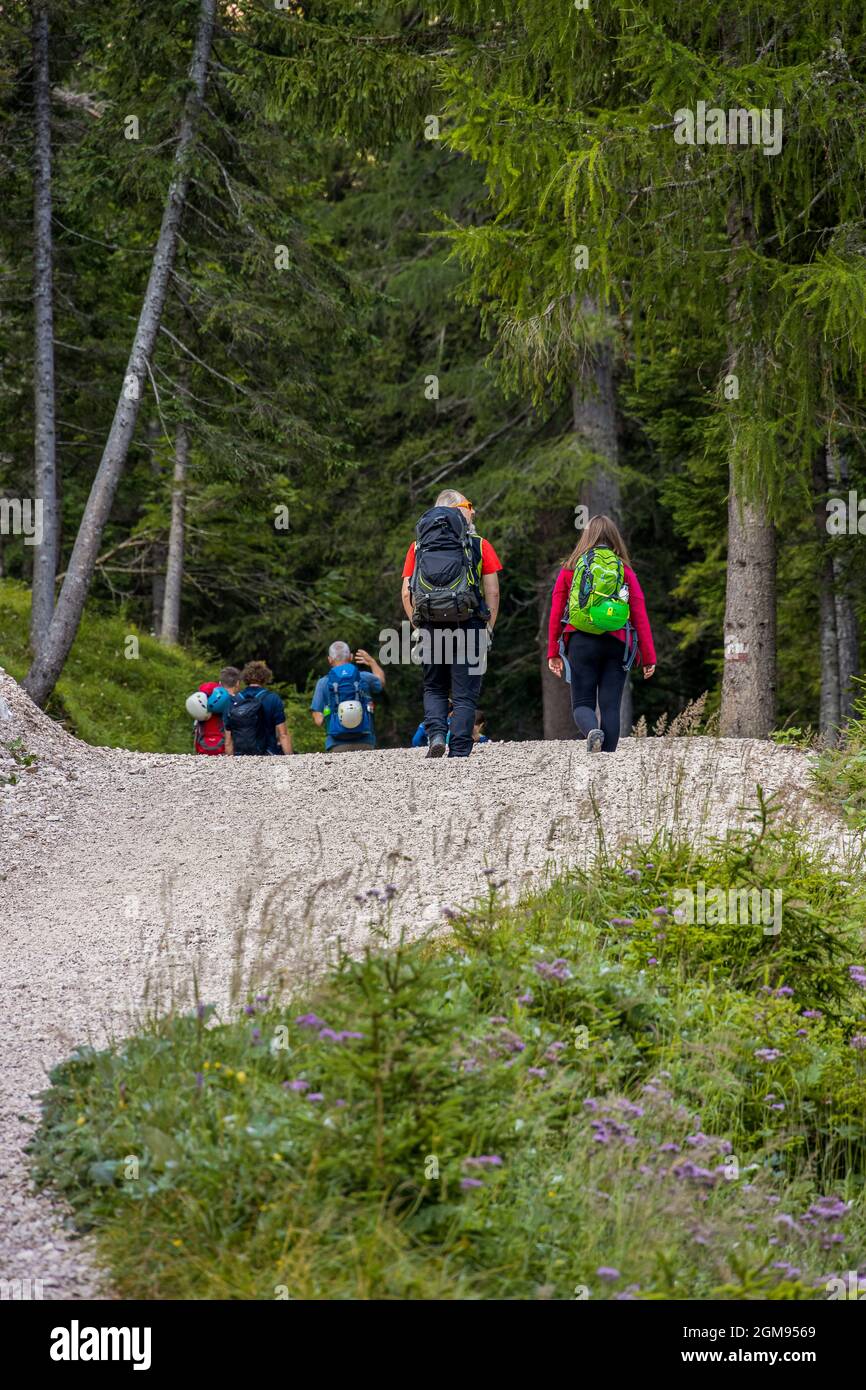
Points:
(420, 740)
(266, 732)
(372, 683)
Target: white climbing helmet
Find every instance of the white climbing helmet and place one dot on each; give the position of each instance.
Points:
(196, 705)
(350, 713)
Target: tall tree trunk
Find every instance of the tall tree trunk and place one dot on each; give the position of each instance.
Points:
(829, 717)
(46, 668)
(593, 404)
(170, 626)
(848, 643)
(160, 550)
(44, 441)
(626, 709)
(847, 635)
(749, 679)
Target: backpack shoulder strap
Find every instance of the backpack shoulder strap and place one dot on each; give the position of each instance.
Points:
(585, 588)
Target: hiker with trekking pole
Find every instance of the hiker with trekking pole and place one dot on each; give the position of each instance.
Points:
(599, 627)
(450, 594)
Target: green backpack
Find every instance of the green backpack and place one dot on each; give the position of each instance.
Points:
(598, 601)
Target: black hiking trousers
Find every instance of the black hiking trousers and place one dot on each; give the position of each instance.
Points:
(597, 678)
(461, 680)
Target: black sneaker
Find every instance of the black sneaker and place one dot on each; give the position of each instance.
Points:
(594, 740)
(437, 747)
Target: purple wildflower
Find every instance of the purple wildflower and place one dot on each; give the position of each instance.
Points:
(859, 1041)
(767, 1054)
(552, 970)
(608, 1273)
(812, 1013)
(199, 1080)
(298, 1085)
(536, 1071)
(525, 998)
(467, 1183)
(315, 1095)
(483, 1161)
(629, 1106)
(309, 1021)
(827, 1209)
(695, 1173)
(622, 921)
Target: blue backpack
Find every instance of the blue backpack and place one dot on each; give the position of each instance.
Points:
(345, 690)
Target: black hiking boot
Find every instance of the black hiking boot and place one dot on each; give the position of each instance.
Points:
(437, 747)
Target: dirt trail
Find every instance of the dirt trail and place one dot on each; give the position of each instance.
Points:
(119, 872)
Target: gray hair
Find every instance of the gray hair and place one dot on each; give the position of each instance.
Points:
(449, 498)
(339, 651)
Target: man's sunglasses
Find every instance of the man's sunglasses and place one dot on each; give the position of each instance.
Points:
(468, 505)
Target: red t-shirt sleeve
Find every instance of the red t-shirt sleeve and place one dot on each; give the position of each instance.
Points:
(410, 561)
(490, 561)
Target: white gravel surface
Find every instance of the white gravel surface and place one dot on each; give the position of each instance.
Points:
(122, 872)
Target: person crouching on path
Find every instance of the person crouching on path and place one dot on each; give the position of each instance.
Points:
(451, 593)
(598, 621)
(344, 699)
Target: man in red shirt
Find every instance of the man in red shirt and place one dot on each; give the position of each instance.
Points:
(445, 676)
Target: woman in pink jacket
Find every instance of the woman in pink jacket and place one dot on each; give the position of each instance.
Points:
(595, 660)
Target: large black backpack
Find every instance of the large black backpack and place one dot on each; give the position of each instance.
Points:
(247, 725)
(445, 584)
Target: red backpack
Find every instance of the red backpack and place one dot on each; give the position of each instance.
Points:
(210, 734)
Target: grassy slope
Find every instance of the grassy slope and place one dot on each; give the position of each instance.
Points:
(105, 698)
(679, 1105)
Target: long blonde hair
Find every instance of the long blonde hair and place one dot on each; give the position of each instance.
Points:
(599, 531)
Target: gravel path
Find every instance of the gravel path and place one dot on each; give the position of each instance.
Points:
(120, 872)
